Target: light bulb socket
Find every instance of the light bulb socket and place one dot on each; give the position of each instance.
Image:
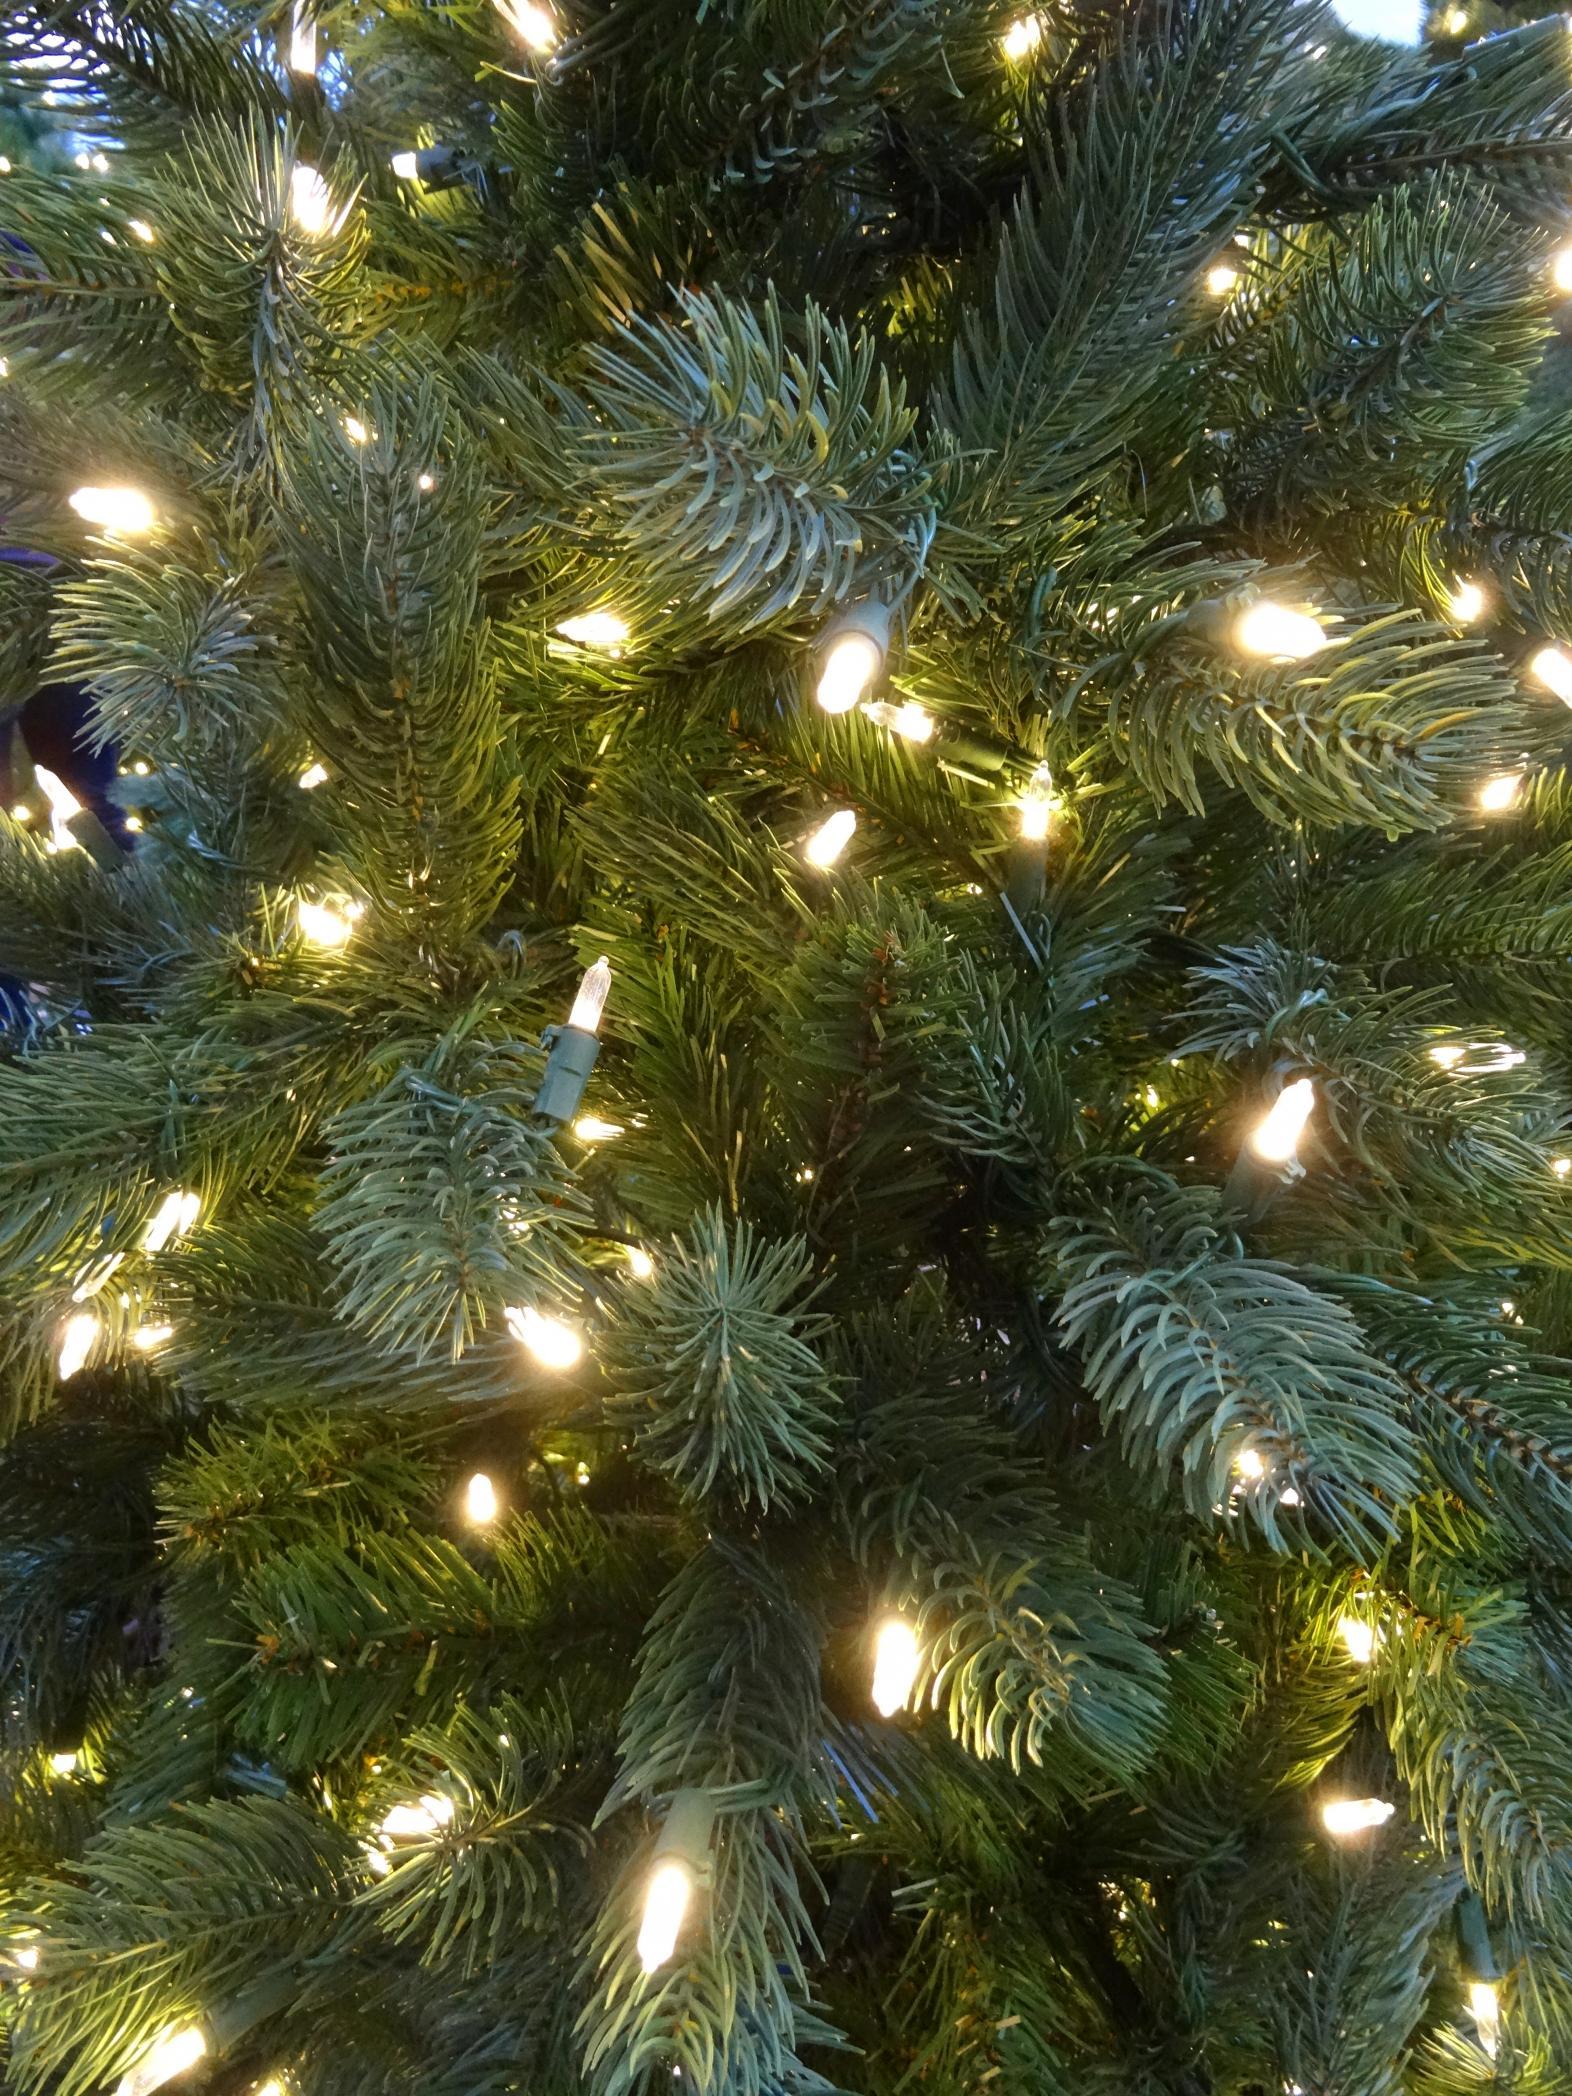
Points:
(1026, 882)
(1475, 1950)
(969, 757)
(570, 1058)
(685, 1835)
(870, 618)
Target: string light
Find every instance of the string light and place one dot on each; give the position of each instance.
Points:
(595, 629)
(1466, 602)
(850, 667)
(1342, 1816)
(1553, 668)
(909, 720)
(1279, 634)
(1393, 21)
(311, 202)
(406, 166)
(171, 2054)
(1561, 1166)
(356, 430)
(830, 839)
(419, 1821)
(1561, 269)
(65, 1763)
(642, 1266)
(591, 999)
(147, 1339)
(896, 1655)
(1484, 2005)
(1359, 1638)
(1456, 22)
(535, 26)
(302, 41)
(324, 924)
(312, 777)
(1477, 1058)
(1221, 279)
(590, 1128)
(426, 483)
(26, 1957)
(1022, 37)
(142, 230)
(553, 1344)
(1276, 1137)
(78, 1335)
(666, 1900)
(1250, 1463)
(123, 511)
(1501, 792)
(480, 1500)
(1036, 806)
(174, 1217)
(63, 806)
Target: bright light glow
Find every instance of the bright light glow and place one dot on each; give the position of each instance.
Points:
(1394, 21)
(642, 1266)
(271, 2087)
(426, 483)
(310, 203)
(1478, 1058)
(302, 42)
(21, 812)
(1221, 279)
(97, 1276)
(1359, 1638)
(591, 999)
(1456, 22)
(666, 1900)
(1277, 633)
(910, 720)
(142, 230)
(1250, 1463)
(77, 1337)
(63, 804)
(896, 1654)
(595, 629)
(1276, 1139)
(64, 1764)
(176, 1213)
(590, 1128)
(1561, 269)
(1561, 1166)
(406, 166)
(1466, 602)
(480, 1500)
(313, 776)
(26, 1957)
(355, 429)
(1355, 1815)
(535, 26)
(1022, 37)
(123, 510)
(147, 1339)
(1500, 792)
(1448, 1056)
(174, 2053)
(1484, 2005)
(1036, 806)
(1553, 668)
(853, 662)
(553, 1344)
(831, 838)
(322, 924)
(417, 1822)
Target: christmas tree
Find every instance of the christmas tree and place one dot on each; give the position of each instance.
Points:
(786, 1252)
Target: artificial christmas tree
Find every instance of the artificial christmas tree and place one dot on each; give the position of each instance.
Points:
(785, 1264)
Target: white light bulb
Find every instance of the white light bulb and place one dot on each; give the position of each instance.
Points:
(1394, 21)
(896, 1654)
(406, 166)
(1277, 633)
(174, 2053)
(1036, 806)
(590, 1128)
(142, 230)
(26, 1957)
(355, 429)
(1484, 2005)
(302, 42)
(322, 924)
(123, 510)
(1501, 792)
(310, 203)
(271, 2087)
(666, 1898)
(175, 1215)
(1466, 602)
(1553, 668)
(851, 665)
(1561, 269)
(1561, 1166)
(1448, 1055)
(426, 483)
(147, 1339)
(77, 1337)
(1276, 1137)
(313, 776)
(591, 999)
(1250, 1463)
(1022, 37)
(911, 721)
(1221, 279)
(1359, 1638)
(1456, 22)
(642, 1266)
(480, 1500)
(63, 804)
(417, 1822)
(830, 839)
(1355, 1815)
(595, 629)
(553, 1344)
(535, 26)
(64, 1764)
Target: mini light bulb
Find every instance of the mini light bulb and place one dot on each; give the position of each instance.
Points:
(1448, 1055)
(895, 1659)
(1501, 792)
(1561, 269)
(1036, 806)
(324, 925)
(1394, 21)
(1484, 2005)
(1250, 1463)
(426, 483)
(26, 1957)
(1277, 633)
(480, 1500)
(912, 722)
(853, 661)
(590, 1128)
(302, 42)
(595, 629)
(64, 1764)
(553, 1344)
(535, 26)
(1022, 37)
(831, 838)
(78, 1336)
(310, 202)
(1456, 22)
(142, 230)
(1221, 279)
(172, 2054)
(1561, 1166)
(1359, 1638)
(173, 1218)
(356, 430)
(1276, 1136)
(419, 1821)
(271, 2087)
(312, 777)
(1355, 1815)
(1466, 602)
(666, 1899)
(642, 1266)
(147, 1339)
(406, 166)
(591, 999)
(63, 804)
(124, 511)
(1553, 668)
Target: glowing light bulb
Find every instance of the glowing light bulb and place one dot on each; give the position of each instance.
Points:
(666, 1899)
(1221, 279)
(26, 1957)
(1022, 37)
(355, 429)
(553, 1344)
(1359, 1638)
(915, 723)
(1561, 269)
(851, 665)
(324, 925)
(63, 804)
(310, 202)
(313, 776)
(1553, 668)
(172, 2054)
(21, 812)
(125, 511)
(302, 42)
(480, 1500)
(591, 999)
(1394, 21)
(1355, 1815)
(147, 1339)
(590, 1128)
(1277, 633)
(535, 26)
(895, 1659)
(64, 1764)
(595, 629)
(1561, 1166)
(1036, 806)
(174, 1217)
(142, 230)
(77, 1338)
(831, 838)
(1466, 602)
(1250, 1463)
(406, 166)
(1484, 2005)
(1456, 22)
(642, 1266)
(1501, 792)
(419, 1821)
(1276, 1137)
(1448, 1055)
(271, 2087)
(426, 483)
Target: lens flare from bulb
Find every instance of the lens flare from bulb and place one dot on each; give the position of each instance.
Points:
(1553, 668)
(480, 1500)
(1276, 1137)
(591, 999)
(78, 1336)
(1279, 634)
(552, 1343)
(1343, 1816)
(174, 2053)
(666, 1899)
(831, 838)
(1359, 1639)
(896, 1655)
(119, 510)
(853, 661)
